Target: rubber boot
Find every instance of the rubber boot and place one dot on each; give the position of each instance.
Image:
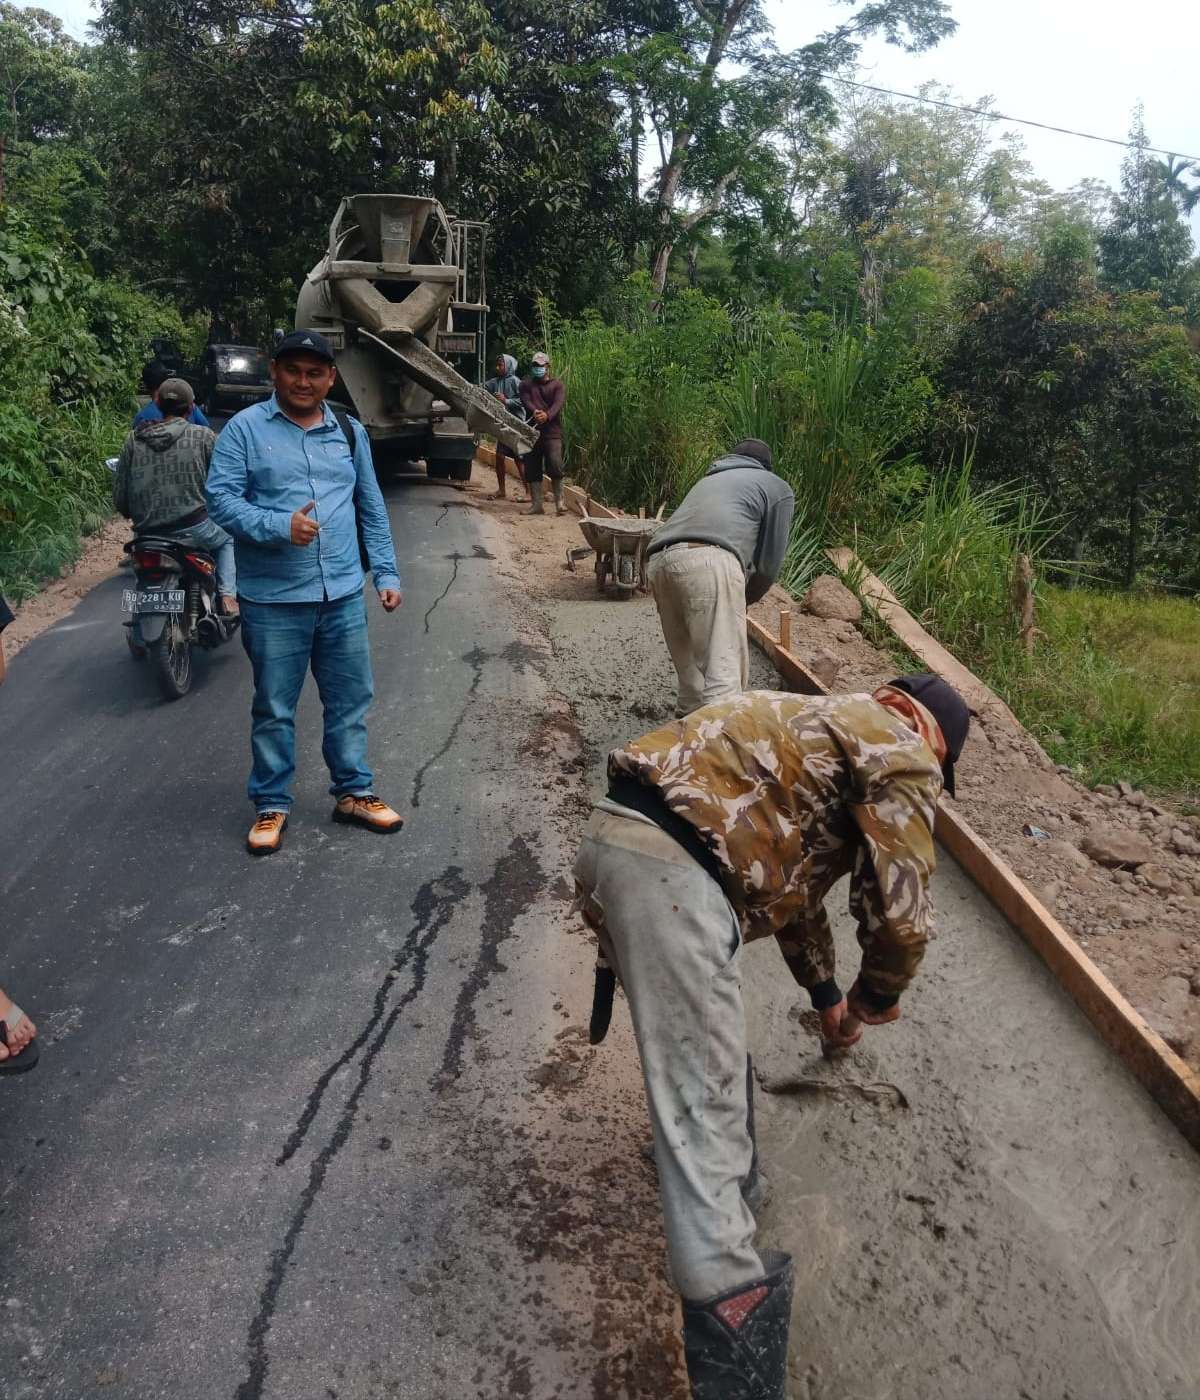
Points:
(557, 487)
(536, 493)
(736, 1343)
(756, 1190)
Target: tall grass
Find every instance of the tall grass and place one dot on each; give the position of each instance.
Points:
(653, 399)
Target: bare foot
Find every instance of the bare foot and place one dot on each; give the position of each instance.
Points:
(19, 1035)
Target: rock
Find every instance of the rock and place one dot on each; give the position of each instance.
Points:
(1156, 877)
(1124, 789)
(1186, 845)
(1194, 983)
(1060, 850)
(1111, 846)
(830, 598)
(826, 666)
(1105, 790)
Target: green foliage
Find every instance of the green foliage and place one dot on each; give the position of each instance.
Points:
(71, 348)
(1114, 687)
(1091, 399)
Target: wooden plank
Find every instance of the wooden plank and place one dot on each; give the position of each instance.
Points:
(790, 667)
(906, 627)
(1173, 1084)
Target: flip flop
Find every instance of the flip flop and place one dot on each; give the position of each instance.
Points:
(18, 1064)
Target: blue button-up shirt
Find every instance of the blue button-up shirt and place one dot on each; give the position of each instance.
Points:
(264, 467)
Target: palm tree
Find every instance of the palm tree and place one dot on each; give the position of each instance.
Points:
(1171, 172)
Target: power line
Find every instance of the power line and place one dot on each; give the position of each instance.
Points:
(1000, 117)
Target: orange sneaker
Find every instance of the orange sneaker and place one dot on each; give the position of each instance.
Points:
(266, 835)
(367, 810)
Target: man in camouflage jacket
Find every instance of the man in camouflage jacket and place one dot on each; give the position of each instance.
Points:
(728, 826)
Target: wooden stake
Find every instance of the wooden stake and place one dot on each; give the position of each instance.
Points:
(1023, 602)
(785, 628)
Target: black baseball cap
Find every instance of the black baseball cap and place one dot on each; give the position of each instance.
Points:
(304, 342)
(756, 448)
(948, 707)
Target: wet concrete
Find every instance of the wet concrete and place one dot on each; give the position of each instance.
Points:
(980, 1200)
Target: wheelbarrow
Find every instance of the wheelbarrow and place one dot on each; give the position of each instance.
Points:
(620, 548)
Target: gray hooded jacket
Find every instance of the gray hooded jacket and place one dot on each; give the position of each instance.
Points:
(743, 507)
(161, 473)
(509, 385)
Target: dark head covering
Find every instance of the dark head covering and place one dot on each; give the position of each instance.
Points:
(306, 343)
(948, 707)
(756, 448)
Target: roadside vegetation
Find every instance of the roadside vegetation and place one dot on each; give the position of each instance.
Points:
(858, 416)
(954, 363)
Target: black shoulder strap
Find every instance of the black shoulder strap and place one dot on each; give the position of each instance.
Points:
(343, 422)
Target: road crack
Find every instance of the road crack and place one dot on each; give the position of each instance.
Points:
(432, 907)
(458, 558)
(477, 659)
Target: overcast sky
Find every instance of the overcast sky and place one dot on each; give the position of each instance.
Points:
(1076, 63)
(1082, 64)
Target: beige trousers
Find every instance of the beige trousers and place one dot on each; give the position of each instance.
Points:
(700, 591)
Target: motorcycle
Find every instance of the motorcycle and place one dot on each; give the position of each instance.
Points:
(174, 607)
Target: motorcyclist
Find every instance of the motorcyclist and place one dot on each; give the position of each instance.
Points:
(160, 479)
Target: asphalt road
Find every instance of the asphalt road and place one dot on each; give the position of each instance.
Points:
(289, 1136)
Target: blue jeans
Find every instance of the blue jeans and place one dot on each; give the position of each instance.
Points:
(282, 641)
(208, 535)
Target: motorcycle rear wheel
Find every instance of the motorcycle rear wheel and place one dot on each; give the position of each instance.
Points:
(171, 653)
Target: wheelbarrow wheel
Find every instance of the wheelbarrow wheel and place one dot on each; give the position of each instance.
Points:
(626, 571)
(601, 574)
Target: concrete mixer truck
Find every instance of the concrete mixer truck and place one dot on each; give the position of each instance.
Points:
(400, 290)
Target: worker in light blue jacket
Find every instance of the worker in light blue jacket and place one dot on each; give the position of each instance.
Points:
(506, 387)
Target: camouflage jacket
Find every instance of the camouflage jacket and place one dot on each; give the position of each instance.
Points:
(790, 793)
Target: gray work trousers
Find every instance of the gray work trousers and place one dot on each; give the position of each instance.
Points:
(672, 938)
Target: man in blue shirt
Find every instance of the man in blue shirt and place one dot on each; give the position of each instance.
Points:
(285, 484)
(154, 376)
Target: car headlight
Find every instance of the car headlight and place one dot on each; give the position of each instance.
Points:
(237, 364)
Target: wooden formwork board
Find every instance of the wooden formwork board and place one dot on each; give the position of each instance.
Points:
(1173, 1084)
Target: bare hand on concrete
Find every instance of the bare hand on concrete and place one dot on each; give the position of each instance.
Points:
(857, 1007)
(839, 1029)
(304, 530)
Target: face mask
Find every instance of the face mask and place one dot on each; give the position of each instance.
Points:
(539, 371)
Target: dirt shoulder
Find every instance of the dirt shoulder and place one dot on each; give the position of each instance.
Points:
(99, 559)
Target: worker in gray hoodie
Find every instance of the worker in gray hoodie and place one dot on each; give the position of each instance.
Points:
(722, 549)
(505, 387)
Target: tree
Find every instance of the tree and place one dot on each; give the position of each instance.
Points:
(1090, 397)
(41, 78)
(712, 120)
(1171, 172)
(1146, 246)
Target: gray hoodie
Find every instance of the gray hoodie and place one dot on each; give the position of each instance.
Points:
(509, 385)
(743, 507)
(161, 474)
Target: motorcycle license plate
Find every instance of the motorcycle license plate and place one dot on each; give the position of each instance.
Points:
(153, 600)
